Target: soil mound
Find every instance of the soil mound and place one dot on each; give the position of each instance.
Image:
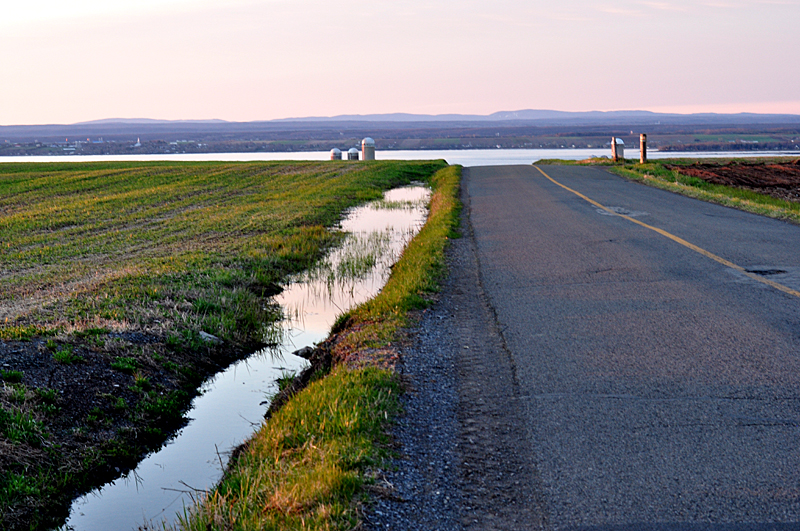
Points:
(780, 180)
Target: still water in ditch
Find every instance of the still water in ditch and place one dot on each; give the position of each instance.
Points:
(232, 404)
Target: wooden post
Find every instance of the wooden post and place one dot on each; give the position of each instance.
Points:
(614, 149)
(643, 148)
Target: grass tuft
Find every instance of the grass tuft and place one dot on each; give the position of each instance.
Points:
(12, 376)
(303, 467)
(125, 364)
(66, 355)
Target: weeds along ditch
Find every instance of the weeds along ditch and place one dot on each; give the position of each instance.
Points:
(126, 285)
(311, 464)
(233, 401)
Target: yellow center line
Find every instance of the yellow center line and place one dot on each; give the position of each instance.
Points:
(676, 239)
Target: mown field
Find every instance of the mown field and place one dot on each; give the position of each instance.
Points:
(124, 285)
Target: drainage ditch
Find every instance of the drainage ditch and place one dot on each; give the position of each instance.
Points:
(232, 403)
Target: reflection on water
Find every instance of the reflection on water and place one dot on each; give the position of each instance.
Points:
(223, 417)
(232, 404)
(357, 270)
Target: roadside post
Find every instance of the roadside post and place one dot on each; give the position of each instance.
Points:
(617, 149)
(643, 149)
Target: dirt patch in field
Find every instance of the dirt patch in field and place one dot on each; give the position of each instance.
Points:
(781, 180)
(101, 398)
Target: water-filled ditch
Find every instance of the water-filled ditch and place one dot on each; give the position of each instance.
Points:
(232, 404)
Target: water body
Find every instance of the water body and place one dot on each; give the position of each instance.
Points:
(465, 157)
(233, 403)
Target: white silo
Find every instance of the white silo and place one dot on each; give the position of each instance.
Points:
(368, 149)
(336, 154)
(352, 154)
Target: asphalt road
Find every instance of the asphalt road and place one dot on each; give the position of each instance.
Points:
(660, 387)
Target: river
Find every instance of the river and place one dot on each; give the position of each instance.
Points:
(464, 157)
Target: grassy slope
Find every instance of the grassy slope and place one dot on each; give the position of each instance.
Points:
(91, 251)
(655, 174)
(304, 468)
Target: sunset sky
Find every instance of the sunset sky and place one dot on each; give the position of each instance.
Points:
(244, 60)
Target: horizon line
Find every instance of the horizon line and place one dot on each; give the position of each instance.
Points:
(498, 116)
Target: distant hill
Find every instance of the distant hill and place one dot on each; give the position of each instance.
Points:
(146, 121)
(529, 116)
(528, 122)
(547, 117)
(525, 115)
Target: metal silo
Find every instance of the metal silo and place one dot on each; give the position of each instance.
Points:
(352, 154)
(336, 154)
(368, 149)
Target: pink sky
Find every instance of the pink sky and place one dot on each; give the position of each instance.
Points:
(243, 60)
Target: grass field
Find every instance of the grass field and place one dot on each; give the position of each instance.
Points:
(307, 465)
(655, 173)
(114, 274)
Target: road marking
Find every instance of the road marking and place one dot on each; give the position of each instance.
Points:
(676, 239)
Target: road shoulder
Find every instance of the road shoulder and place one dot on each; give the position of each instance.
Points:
(464, 453)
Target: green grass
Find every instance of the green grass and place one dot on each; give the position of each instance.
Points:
(306, 466)
(23, 332)
(19, 426)
(285, 380)
(168, 249)
(12, 376)
(66, 356)
(414, 277)
(125, 364)
(121, 244)
(655, 174)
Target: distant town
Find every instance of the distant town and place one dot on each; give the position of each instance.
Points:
(518, 130)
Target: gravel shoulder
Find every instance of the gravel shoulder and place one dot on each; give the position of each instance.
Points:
(463, 448)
